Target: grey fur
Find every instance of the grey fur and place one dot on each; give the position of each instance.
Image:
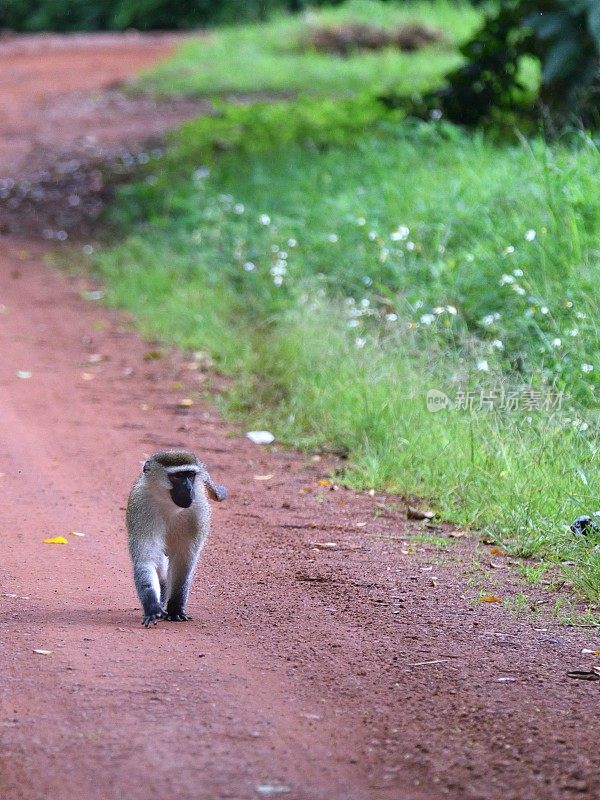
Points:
(165, 540)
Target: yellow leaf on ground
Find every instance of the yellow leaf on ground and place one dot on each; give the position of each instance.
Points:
(43, 652)
(76, 533)
(324, 482)
(490, 598)
(186, 402)
(56, 540)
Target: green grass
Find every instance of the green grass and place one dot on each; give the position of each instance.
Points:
(268, 58)
(291, 265)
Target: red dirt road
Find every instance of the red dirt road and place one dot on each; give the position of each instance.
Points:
(366, 672)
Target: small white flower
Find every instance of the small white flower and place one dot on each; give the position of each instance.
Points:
(497, 344)
(400, 234)
(365, 303)
(249, 266)
(410, 246)
(200, 173)
(372, 235)
(353, 323)
(489, 319)
(518, 273)
(367, 281)
(333, 237)
(361, 221)
(278, 280)
(427, 319)
(583, 426)
(360, 343)
(519, 290)
(574, 332)
(530, 235)
(482, 365)
(391, 317)
(264, 219)
(544, 310)
(508, 250)
(556, 342)
(239, 208)
(451, 310)
(419, 304)
(587, 367)
(292, 243)
(506, 279)
(88, 249)
(274, 248)
(438, 310)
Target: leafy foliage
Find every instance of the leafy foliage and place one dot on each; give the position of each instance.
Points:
(564, 36)
(75, 15)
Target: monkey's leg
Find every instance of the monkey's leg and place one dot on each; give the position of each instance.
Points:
(181, 571)
(147, 585)
(162, 570)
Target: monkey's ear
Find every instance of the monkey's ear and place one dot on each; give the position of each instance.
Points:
(216, 491)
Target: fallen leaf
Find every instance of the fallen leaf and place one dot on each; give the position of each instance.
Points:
(490, 598)
(95, 294)
(24, 374)
(43, 652)
(583, 675)
(590, 652)
(272, 789)
(260, 437)
(415, 513)
(152, 355)
(186, 402)
(324, 545)
(87, 376)
(76, 533)
(323, 482)
(56, 540)
(263, 477)
(497, 551)
(456, 534)
(360, 524)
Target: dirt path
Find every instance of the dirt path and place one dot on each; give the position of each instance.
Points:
(357, 673)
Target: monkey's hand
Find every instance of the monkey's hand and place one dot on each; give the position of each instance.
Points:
(153, 617)
(177, 616)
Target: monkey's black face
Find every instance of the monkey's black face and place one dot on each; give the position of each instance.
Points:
(182, 488)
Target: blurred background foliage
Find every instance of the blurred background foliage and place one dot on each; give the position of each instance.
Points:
(88, 15)
(562, 36)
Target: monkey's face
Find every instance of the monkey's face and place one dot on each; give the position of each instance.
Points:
(182, 487)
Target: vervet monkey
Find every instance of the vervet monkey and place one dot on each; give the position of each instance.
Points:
(168, 520)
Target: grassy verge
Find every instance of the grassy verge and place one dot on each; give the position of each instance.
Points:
(342, 263)
(269, 58)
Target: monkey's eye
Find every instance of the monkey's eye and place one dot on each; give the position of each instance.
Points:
(176, 477)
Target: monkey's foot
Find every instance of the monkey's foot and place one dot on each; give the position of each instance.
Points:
(177, 616)
(152, 619)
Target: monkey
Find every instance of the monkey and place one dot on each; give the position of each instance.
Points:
(168, 520)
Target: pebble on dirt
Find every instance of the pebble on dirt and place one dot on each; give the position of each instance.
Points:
(260, 437)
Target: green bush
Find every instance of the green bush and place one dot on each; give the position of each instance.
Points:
(564, 35)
